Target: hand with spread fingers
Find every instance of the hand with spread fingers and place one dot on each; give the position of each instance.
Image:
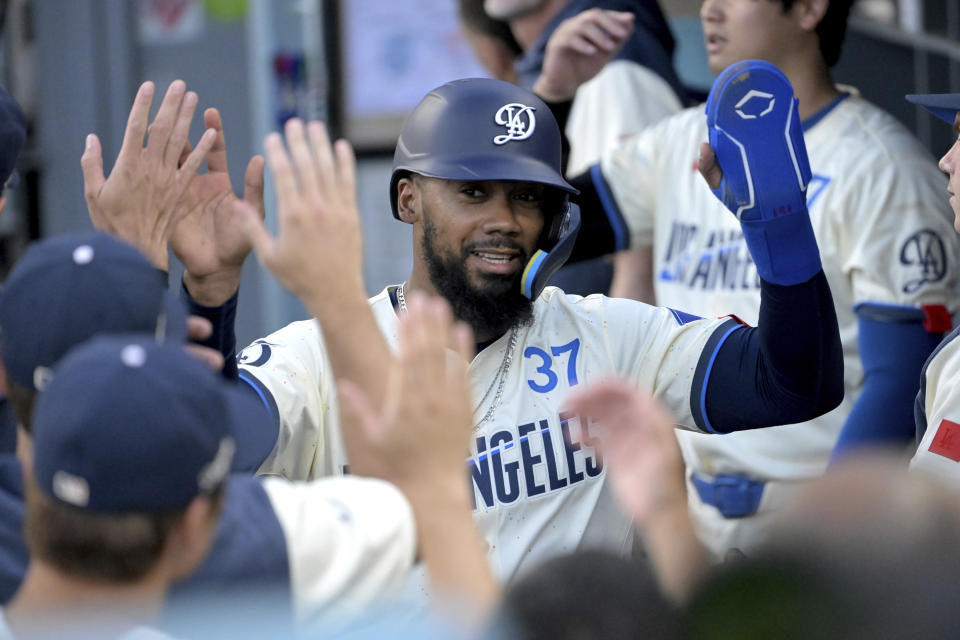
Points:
(419, 439)
(208, 238)
(427, 401)
(643, 461)
(637, 442)
(579, 48)
(317, 253)
(139, 201)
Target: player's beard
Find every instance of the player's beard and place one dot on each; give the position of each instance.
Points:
(491, 309)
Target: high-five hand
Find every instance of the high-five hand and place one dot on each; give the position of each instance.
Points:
(317, 253)
(208, 239)
(139, 201)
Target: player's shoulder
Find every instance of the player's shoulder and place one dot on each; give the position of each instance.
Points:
(294, 332)
(947, 352)
(593, 311)
(868, 132)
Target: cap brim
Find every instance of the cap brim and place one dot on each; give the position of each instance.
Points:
(253, 427)
(942, 105)
(495, 168)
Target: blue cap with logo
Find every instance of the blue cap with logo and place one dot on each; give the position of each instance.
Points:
(66, 289)
(13, 133)
(127, 424)
(943, 105)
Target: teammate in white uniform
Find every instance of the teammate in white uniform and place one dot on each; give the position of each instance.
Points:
(634, 90)
(938, 406)
(885, 240)
(500, 205)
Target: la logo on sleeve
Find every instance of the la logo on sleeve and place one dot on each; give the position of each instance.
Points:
(947, 441)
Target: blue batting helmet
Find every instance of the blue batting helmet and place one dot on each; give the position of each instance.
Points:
(483, 129)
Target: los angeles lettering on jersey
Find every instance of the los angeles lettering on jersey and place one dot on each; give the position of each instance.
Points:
(724, 262)
(529, 460)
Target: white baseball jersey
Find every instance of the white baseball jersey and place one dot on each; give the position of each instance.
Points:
(534, 494)
(329, 548)
(939, 450)
(597, 123)
(885, 235)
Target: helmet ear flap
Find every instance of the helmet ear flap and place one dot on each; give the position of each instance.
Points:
(557, 224)
(545, 261)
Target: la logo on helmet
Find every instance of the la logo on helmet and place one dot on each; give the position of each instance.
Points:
(519, 121)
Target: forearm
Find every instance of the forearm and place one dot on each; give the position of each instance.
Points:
(215, 289)
(222, 317)
(894, 342)
(678, 558)
(453, 550)
(633, 275)
(357, 349)
(788, 369)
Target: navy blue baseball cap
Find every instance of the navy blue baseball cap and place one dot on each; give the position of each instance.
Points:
(943, 105)
(13, 133)
(127, 424)
(69, 288)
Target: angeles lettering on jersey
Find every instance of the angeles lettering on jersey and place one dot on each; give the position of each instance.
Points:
(529, 460)
(724, 263)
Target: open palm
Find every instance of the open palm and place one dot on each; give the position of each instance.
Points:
(208, 239)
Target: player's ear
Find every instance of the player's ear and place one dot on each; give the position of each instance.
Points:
(188, 541)
(408, 199)
(810, 12)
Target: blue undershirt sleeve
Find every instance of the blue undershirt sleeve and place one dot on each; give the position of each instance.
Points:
(252, 448)
(787, 369)
(223, 339)
(893, 347)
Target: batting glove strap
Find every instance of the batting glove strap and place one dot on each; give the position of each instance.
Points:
(784, 249)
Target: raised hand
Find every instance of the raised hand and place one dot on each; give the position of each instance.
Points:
(427, 400)
(208, 238)
(643, 461)
(317, 253)
(640, 451)
(139, 201)
(579, 48)
(418, 440)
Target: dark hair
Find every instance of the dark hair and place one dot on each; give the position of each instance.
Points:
(119, 548)
(591, 594)
(476, 19)
(832, 28)
(21, 400)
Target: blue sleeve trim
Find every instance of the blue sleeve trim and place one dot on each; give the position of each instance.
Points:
(263, 393)
(682, 317)
(701, 378)
(621, 233)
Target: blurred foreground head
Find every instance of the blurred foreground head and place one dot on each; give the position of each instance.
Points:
(585, 596)
(868, 551)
